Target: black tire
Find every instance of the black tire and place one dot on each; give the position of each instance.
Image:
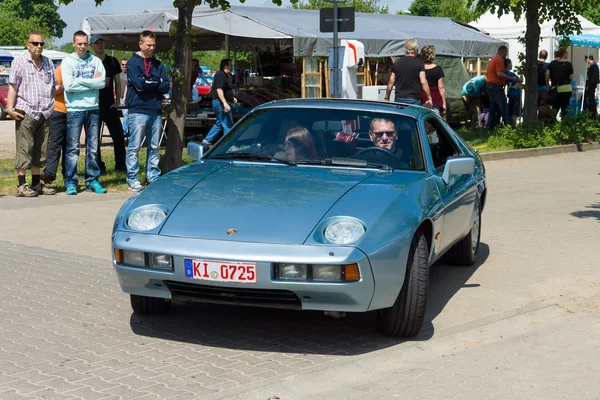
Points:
(149, 305)
(465, 251)
(406, 316)
(3, 113)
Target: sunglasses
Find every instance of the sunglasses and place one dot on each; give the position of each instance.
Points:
(379, 135)
(37, 43)
(123, 65)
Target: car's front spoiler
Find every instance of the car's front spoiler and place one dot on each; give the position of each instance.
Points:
(352, 296)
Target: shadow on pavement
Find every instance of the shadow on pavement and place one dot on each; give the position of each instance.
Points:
(592, 211)
(446, 280)
(272, 330)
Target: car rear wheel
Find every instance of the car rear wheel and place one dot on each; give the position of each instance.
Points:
(149, 305)
(406, 316)
(465, 252)
(3, 113)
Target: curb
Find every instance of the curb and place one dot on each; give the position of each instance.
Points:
(539, 151)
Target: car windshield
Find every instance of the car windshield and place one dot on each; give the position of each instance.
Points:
(3, 80)
(319, 136)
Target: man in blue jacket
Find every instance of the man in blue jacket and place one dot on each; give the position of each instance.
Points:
(147, 82)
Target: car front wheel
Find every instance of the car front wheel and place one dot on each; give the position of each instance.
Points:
(465, 252)
(149, 305)
(406, 316)
(3, 113)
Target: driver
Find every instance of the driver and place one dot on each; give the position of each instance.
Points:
(383, 134)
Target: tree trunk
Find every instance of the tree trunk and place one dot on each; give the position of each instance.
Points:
(181, 86)
(532, 40)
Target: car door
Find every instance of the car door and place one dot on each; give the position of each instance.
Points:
(460, 194)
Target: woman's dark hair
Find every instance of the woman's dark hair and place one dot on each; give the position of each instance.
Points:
(224, 63)
(428, 54)
(303, 143)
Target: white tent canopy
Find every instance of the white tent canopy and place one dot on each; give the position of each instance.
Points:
(245, 28)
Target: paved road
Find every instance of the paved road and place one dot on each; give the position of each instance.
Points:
(523, 323)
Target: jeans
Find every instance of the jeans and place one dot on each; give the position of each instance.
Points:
(90, 120)
(57, 145)
(125, 113)
(408, 100)
(140, 126)
(498, 101)
(589, 101)
(110, 117)
(224, 122)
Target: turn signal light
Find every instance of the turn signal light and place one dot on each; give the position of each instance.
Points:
(118, 256)
(351, 273)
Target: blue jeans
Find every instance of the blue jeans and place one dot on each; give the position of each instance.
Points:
(125, 113)
(140, 126)
(90, 120)
(498, 101)
(408, 100)
(224, 122)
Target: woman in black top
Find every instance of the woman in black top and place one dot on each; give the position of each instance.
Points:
(435, 78)
(559, 76)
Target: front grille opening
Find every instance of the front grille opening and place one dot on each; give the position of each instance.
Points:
(269, 298)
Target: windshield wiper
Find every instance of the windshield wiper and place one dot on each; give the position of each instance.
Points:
(250, 156)
(349, 162)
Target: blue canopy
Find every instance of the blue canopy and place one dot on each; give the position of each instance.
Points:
(585, 40)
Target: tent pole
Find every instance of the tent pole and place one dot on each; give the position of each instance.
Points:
(227, 46)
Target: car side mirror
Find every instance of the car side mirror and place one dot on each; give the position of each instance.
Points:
(458, 166)
(195, 150)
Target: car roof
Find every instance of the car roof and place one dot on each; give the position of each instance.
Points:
(349, 104)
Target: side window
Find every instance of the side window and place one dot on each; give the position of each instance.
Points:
(441, 145)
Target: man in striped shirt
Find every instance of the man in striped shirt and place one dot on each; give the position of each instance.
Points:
(30, 102)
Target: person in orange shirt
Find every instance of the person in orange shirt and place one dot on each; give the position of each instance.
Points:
(496, 78)
(58, 133)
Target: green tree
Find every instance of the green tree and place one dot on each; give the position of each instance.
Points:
(182, 58)
(592, 13)
(458, 10)
(43, 12)
(564, 12)
(366, 6)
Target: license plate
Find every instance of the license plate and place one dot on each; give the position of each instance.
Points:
(191, 123)
(220, 271)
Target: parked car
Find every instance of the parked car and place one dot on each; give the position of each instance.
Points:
(3, 95)
(202, 86)
(373, 194)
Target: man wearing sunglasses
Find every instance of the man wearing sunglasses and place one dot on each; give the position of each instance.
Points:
(383, 134)
(30, 101)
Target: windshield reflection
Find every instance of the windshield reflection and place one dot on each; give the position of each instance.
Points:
(318, 136)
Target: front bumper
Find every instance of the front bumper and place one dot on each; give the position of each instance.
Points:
(266, 292)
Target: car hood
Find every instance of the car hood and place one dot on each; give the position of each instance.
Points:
(262, 203)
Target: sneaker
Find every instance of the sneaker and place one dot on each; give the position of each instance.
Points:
(26, 191)
(95, 186)
(47, 179)
(71, 190)
(42, 189)
(135, 187)
(207, 144)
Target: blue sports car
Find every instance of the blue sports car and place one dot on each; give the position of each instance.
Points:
(313, 204)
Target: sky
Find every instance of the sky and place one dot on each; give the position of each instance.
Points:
(74, 13)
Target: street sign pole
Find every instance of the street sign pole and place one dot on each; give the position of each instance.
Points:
(336, 54)
(331, 23)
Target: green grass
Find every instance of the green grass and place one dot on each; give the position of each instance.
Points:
(478, 139)
(113, 181)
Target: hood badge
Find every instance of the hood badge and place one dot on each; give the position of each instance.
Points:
(231, 232)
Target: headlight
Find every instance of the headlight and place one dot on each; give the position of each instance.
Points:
(134, 258)
(345, 231)
(326, 272)
(161, 261)
(292, 272)
(146, 219)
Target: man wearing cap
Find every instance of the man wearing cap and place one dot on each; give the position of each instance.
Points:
(109, 114)
(471, 94)
(590, 86)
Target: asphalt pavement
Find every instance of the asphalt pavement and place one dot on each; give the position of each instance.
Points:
(522, 323)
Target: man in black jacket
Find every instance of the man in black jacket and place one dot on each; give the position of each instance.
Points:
(590, 86)
(147, 82)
